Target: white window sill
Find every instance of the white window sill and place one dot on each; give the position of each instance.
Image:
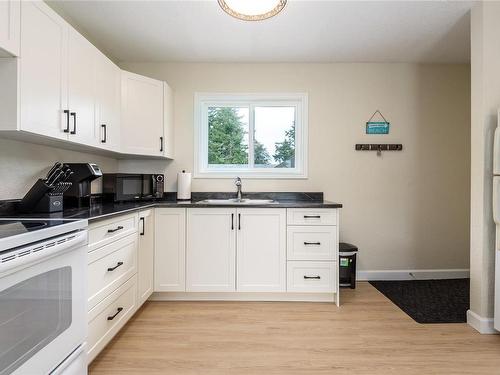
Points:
(250, 175)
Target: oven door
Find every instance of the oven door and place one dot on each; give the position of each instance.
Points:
(43, 305)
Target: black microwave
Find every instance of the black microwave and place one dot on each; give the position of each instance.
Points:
(120, 187)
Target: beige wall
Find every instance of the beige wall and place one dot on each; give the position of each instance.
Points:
(22, 163)
(485, 102)
(405, 210)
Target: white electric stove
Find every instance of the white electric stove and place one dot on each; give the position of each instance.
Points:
(42, 296)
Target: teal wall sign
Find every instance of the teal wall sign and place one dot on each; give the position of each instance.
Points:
(377, 127)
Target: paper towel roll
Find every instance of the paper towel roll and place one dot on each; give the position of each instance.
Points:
(183, 185)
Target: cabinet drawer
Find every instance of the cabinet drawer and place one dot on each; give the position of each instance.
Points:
(109, 267)
(106, 319)
(310, 216)
(109, 230)
(311, 276)
(311, 242)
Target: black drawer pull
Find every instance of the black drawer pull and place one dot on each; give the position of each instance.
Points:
(105, 131)
(312, 243)
(312, 217)
(232, 221)
(67, 121)
(115, 267)
(143, 226)
(73, 114)
(118, 310)
(116, 229)
(317, 277)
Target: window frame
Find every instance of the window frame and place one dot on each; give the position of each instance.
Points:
(204, 100)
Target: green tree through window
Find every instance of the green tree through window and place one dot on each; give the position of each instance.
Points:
(285, 151)
(226, 137)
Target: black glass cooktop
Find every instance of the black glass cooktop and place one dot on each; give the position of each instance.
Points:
(13, 227)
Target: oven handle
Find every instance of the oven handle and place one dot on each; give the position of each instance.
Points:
(40, 251)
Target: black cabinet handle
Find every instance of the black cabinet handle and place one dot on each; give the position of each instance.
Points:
(317, 277)
(73, 114)
(161, 144)
(118, 310)
(312, 243)
(105, 133)
(66, 111)
(116, 229)
(312, 217)
(239, 221)
(111, 269)
(143, 226)
(232, 221)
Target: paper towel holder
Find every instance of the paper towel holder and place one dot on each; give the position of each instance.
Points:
(183, 186)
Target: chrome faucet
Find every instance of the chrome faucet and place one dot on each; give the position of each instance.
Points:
(237, 182)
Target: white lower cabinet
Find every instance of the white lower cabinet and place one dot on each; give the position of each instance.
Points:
(311, 276)
(109, 267)
(211, 250)
(170, 250)
(261, 250)
(120, 274)
(145, 256)
(109, 316)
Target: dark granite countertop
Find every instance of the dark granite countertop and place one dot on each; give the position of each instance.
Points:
(105, 210)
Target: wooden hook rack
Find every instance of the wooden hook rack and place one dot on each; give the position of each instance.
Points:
(379, 147)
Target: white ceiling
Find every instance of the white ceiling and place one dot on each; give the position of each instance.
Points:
(306, 31)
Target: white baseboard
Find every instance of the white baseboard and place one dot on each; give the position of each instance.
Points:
(412, 274)
(243, 296)
(480, 324)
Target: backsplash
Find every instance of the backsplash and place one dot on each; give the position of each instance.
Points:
(22, 163)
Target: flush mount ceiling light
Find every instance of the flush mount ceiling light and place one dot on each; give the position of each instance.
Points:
(252, 10)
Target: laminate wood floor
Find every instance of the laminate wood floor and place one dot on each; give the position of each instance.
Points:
(366, 335)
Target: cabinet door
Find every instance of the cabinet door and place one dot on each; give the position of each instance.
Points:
(168, 121)
(145, 256)
(170, 250)
(10, 24)
(211, 245)
(261, 250)
(142, 115)
(43, 74)
(81, 92)
(108, 83)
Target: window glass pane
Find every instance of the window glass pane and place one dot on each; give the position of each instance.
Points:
(274, 137)
(228, 137)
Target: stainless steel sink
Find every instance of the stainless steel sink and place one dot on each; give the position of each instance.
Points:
(243, 202)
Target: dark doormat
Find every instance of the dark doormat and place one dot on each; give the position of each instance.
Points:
(429, 301)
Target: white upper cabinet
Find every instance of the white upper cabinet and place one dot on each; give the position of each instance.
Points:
(211, 250)
(108, 84)
(43, 72)
(62, 88)
(261, 250)
(81, 89)
(142, 115)
(168, 121)
(10, 21)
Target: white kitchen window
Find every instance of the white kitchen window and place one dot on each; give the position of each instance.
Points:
(250, 135)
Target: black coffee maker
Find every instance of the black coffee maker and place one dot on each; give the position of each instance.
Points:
(79, 194)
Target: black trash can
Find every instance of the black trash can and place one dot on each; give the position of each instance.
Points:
(347, 264)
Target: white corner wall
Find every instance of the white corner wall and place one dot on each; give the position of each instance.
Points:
(405, 210)
(485, 102)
